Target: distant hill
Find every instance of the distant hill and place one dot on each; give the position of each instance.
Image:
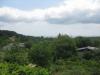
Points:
(5, 35)
(8, 33)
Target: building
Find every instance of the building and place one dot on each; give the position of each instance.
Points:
(88, 48)
(13, 46)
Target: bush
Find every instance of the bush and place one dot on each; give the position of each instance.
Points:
(14, 69)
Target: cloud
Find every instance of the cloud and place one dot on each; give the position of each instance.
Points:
(8, 14)
(46, 29)
(70, 11)
(77, 11)
(79, 16)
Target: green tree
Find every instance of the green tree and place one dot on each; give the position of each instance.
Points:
(64, 47)
(40, 55)
(19, 57)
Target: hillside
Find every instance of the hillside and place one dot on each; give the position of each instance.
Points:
(28, 55)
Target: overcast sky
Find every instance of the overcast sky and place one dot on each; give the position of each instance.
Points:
(51, 17)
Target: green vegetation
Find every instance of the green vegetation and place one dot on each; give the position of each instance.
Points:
(27, 55)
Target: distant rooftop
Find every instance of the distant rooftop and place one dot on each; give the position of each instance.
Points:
(87, 48)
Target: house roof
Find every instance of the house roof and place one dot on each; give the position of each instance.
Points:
(87, 48)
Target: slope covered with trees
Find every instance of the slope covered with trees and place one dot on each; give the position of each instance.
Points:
(27, 55)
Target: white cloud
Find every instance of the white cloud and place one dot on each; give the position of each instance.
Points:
(70, 11)
(76, 11)
(75, 17)
(15, 15)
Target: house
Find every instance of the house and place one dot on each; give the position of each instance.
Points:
(13, 46)
(21, 45)
(12, 39)
(32, 65)
(8, 47)
(88, 48)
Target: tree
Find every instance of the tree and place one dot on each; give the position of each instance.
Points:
(40, 55)
(16, 56)
(64, 47)
(83, 41)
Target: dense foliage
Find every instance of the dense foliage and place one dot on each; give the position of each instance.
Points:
(27, 55)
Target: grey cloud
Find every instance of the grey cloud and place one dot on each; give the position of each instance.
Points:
(78, 16)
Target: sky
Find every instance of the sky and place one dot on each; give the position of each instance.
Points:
(51, 17)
